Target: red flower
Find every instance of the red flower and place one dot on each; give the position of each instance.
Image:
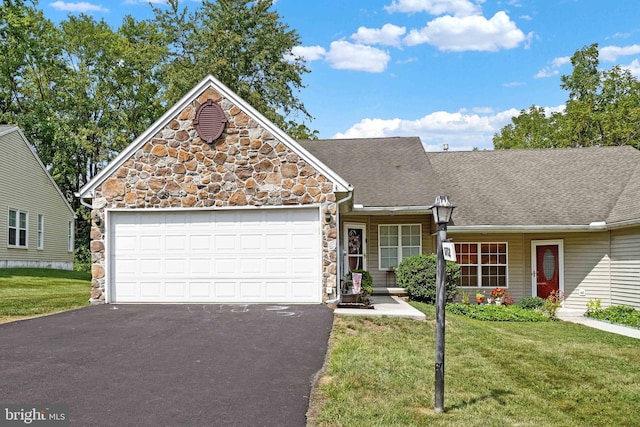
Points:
(497, 293)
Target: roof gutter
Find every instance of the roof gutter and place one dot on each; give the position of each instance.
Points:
(390, 209)
(594, 226)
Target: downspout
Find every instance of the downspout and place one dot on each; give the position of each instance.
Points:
(338, 251)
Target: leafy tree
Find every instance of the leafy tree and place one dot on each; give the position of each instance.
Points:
(603, 109)
(81, 91)
(530, 129)
(244, 45)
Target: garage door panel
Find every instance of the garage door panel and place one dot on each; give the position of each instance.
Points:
(175, 289)
(266, 255)
(199, 289)
(200, 266)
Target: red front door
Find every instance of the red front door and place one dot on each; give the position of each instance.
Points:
(547, 270)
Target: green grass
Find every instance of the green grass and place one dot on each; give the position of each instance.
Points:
(30, 292)
(379, 372)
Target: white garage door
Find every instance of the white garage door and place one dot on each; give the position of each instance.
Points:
(261, 255)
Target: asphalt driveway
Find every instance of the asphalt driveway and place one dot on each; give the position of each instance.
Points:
(168, 365)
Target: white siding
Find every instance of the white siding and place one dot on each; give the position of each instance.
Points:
(625, 267)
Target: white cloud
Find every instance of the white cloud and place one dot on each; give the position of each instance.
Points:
(343, 55)
(553, 69)
(435, 7)
(461, 130)
(389, 35)
(77, 7)
(634, 68)
(611, 53)
(309, 53)
(452, 33)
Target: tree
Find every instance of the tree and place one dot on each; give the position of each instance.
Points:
(603, 109)
(529, 129)
(244, 45)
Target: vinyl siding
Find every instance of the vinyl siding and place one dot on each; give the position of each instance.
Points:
(625, 267)
(28, 188)
(518, 282)
(586, 265)
(380, 278)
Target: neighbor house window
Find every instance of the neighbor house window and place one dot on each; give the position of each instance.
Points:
(70, 237)
(40, 231)
(397, 242)
(18, 221)
(482, 264)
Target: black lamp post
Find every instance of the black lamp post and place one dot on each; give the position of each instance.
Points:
(441, 210)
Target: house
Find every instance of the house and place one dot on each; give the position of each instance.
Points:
(531, 221)
(36, 221)
(214, 203)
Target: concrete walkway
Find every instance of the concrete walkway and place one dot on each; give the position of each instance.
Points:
(385, 305)
(577, 316)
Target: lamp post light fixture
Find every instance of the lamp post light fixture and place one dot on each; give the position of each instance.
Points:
(441, 210)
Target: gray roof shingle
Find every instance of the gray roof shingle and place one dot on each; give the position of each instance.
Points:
(385, 172)
(574, 186)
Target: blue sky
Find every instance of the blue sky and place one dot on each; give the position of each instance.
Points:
(449, 71)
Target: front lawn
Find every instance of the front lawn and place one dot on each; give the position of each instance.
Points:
(379, 372)
(30, 292)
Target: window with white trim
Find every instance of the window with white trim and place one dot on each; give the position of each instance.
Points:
(397, 242)
(70, 239)
(18, 224)
(40, 231)
(482, 264)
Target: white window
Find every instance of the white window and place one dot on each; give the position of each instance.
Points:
(18, 222)
(40, 231)
(482, 264)
(70, 237)
(397, 242)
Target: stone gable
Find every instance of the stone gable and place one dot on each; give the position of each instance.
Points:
(246, 166)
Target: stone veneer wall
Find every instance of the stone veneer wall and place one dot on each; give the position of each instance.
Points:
(246, 166)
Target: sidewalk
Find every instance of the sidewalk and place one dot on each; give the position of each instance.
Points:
(576, 316)
(385, 305)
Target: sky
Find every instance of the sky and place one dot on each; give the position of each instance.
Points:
(449, 71)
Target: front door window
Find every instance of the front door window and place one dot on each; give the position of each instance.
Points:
(355, 246)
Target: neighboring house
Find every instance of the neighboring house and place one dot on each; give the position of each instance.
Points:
(214, 203)
(36, 221)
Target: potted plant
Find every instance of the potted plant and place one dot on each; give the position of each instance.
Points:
(366, 288)
(479, 297)
(498, 294)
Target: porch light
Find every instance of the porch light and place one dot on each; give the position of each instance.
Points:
(441, 210)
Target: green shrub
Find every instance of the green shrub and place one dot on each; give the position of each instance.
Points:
(594, 305)
(367, 281)
(417, 274)
(552, 304)
(496, 313)
(620, 314)
(531, 303)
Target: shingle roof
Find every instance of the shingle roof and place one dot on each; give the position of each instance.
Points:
(575, 186)
(385, 172)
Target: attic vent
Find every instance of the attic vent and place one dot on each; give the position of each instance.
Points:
(210, 121)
